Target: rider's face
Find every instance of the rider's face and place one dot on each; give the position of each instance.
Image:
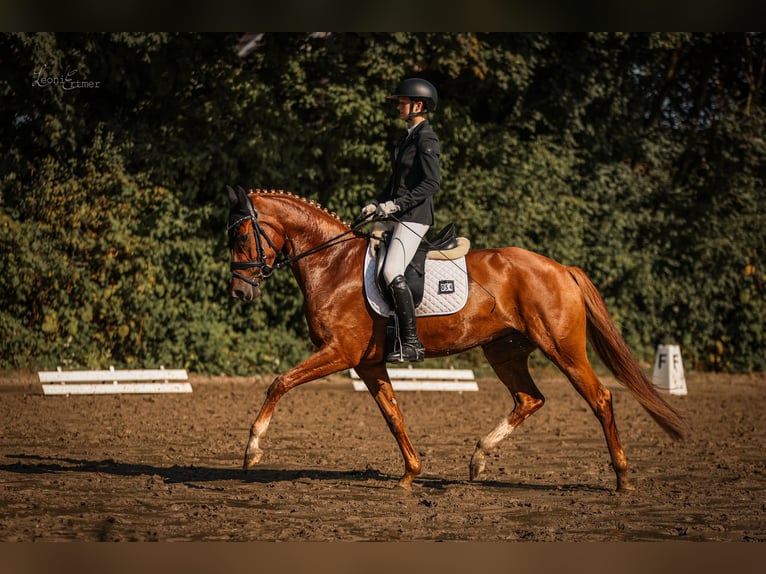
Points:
(404, 105)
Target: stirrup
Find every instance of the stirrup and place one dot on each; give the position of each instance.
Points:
(407, 353)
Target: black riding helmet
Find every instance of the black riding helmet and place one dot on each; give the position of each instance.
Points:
(417, 89)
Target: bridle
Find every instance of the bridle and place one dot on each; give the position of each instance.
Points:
(266, 269)
(261, 263)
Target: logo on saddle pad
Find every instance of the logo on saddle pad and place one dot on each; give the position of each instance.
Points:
(445, 285)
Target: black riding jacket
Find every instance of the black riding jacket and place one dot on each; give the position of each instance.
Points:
(416, 175)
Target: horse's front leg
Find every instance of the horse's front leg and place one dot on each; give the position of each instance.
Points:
(378, 383)
(323, 363)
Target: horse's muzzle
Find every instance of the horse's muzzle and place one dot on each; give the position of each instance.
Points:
(244, 291)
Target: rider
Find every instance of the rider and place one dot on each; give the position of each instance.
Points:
(406, 202)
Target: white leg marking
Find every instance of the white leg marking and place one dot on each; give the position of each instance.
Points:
(500, 432)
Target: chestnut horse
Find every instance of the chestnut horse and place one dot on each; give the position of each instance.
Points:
(518, 301)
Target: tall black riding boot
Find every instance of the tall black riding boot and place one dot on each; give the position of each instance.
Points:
(409, 348)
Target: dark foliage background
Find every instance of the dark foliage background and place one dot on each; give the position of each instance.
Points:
(639, 157)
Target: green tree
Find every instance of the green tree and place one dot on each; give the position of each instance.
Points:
(639, 157)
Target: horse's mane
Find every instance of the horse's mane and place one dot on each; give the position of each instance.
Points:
(289, 195)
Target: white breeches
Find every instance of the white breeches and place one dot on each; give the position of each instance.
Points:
(402, 247)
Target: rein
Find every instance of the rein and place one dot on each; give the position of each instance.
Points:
(259, 234)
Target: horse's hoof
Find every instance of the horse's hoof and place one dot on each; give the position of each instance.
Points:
(477, 466)
(252, 457)
(404, 484)
(625, 486)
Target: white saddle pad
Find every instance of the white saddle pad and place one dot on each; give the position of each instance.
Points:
(445, 290)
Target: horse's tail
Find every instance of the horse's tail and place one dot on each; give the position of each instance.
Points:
(614, 352)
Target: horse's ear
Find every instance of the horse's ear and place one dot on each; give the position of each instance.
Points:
(233, 197)
(243, 200)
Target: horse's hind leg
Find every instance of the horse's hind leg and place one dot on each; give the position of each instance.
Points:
(562, 337)
(599, 398)
(509, 361)
(570, 355)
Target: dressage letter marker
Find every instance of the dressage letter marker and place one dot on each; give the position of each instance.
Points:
(669, 370)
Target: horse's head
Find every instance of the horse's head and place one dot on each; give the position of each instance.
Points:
(254, 243)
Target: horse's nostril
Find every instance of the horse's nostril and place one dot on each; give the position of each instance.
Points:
(237, 294)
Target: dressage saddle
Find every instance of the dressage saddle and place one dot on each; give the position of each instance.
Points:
(444, 241)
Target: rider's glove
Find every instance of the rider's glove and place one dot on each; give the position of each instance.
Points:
(386, 209)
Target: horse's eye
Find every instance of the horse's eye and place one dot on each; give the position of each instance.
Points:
(242, 238)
